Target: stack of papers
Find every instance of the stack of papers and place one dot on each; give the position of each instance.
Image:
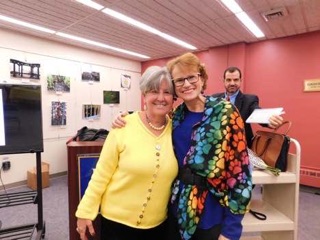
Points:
(263, 115)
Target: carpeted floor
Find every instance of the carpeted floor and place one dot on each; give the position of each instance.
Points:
(55, 211)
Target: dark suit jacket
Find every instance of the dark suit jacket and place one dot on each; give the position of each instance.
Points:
(245, 103)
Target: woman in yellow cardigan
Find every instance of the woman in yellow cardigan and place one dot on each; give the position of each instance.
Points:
(131, 183)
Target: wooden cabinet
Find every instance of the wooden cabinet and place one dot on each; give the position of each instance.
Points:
(74, 149)
(279, 202)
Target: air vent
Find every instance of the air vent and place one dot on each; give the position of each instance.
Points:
(310, 172)
(274, 14)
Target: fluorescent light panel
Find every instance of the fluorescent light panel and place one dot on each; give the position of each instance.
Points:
(83, 40)
(91, 4)
(136, 23)
(25, 24)
(243, 17)
(102, 45)
(147, 28)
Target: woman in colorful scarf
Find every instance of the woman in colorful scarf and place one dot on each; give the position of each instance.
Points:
(213, 188)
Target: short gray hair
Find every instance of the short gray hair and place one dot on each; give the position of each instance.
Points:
(152, 78)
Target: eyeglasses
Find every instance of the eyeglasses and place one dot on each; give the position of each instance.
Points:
(179, 82)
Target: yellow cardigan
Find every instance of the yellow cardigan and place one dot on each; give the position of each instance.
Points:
(132, 180)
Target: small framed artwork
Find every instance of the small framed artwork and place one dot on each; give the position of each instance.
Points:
(24, 70)
(91, 111)
(111, 97)
(86, 165)
(58, 83)
(58, 113)
(90, 76)
(125, 81)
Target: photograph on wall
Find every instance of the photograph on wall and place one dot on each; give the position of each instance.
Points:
(125, 81)
(111, 97)
(58, 113)
(58, 83)
(86, 165)
(25, 70)
(91, 111)
(90, 76)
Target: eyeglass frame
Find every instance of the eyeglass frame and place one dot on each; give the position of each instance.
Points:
(182, 80)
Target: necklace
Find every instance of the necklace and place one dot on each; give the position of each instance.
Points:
(155, 127)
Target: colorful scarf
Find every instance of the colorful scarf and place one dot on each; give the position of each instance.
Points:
(218, 152)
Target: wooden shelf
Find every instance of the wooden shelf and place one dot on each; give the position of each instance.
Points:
(263, 177)
(279, 202)
(251, 238)
(276, 220)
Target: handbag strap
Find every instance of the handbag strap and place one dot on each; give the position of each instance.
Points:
(258, 215)
(263, 148)
(284, 123)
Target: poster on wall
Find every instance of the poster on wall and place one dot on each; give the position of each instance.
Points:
(58, 113)
(91, 111)
(111, 97)
(58, 83)
(2, 133)
(90, 76)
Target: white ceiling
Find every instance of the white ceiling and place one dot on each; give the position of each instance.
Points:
(201, 23)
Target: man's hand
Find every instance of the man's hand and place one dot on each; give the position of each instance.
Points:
(221, 237)
(119, 122)
(82, 226)
(275, 121)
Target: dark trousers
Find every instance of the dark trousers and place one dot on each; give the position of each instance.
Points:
(207, 234)
(200, 234)
(116, 231)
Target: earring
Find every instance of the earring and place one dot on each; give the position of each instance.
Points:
(145, 107)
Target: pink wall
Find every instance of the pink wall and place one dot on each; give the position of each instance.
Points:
(275, 71)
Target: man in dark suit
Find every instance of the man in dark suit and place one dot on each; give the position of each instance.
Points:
(246, 103)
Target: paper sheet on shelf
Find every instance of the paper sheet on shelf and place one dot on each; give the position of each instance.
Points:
(263, 115)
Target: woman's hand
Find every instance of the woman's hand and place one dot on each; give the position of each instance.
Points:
(119, 122)
(82, 225)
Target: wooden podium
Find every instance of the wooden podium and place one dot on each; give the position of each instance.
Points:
(74, 149)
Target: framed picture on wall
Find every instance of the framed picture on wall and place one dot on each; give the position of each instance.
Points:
(111, 97)
(58, 83)
(86, 165)
(91, 111)
(125, 81)
(90, 76)
(58, 113)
